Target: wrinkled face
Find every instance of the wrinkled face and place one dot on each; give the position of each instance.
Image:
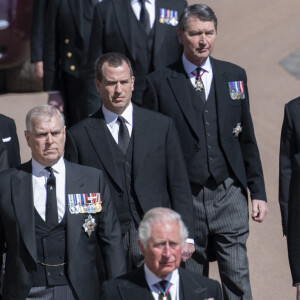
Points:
(163, 253)
(198, 40)
(46, 140)
(116, 87)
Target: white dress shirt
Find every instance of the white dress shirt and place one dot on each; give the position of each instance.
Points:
(39, 184)
(150, 6)
(206, 77)
(152, 281)
(113, 124)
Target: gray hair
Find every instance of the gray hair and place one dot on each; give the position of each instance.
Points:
(114, 59)
(200, 11)
(163, 216)
(45, 112)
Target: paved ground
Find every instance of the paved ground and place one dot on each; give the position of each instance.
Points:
(257, 35)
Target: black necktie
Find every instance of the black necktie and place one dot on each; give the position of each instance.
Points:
(164, 290)
(144, 17)
(51, 203)
(123, 137)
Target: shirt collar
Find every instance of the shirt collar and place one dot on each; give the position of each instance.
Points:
(152, 279)
(189, 67)
(138, 1)
(111, 118)
(38, 169)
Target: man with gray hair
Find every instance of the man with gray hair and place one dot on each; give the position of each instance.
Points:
(161, 236)
(209, 103)
(53, 217)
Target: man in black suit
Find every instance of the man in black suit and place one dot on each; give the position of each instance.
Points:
(53, 216)
(208, 100)
(138, 150)
(142, 30)
(161, 237)
(10, 143)
(289, 191)
(68, 26)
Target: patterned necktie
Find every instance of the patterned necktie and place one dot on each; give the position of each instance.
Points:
(123, 137)
(51, 203)
(144, 17)
(164, 287)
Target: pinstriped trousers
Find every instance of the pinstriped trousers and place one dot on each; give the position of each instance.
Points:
(222, 212)
(59, 292)
(134, 256)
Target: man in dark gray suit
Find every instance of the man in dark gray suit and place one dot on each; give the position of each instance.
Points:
(137, 149)
(209, 103)
(161, 237)
(53, 217)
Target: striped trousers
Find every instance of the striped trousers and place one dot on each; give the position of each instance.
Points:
(221, 212)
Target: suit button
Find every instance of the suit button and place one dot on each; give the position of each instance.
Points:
(61, 274)
(67, 41)
(205, 110)
(207, 123)
(49, 274)
(69, 54)
(209, 146)
(210, 159)
(208, 134)
(72, 68)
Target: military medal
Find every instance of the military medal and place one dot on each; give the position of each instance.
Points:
(198, 83)
(89, 203)
(237, 130)
(162, 16)
(89, 225)
(236, 90)
(174, 19)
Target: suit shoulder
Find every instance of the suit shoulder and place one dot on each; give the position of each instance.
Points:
(6, 119)
(199, 278)
(84, 170)
(154, 115)
(226, 65)
(293, 104)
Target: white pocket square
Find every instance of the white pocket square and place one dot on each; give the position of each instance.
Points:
(7, 139)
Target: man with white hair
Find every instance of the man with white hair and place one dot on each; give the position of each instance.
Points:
(161, 236)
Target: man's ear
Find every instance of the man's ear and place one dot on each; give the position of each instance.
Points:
(141, 247)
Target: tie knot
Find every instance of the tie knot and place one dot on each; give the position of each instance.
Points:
(165, 284)
(49, 169)
(121, 120)
(198, 70)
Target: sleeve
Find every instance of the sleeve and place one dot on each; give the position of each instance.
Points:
(251, 157)
(178, 181)
(285, 168)
(37, 30)
(110, 236)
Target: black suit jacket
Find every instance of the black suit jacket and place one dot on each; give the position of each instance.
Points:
(112, 31)
(8, 135)
(159, 173)
(134, 286)
(17, 230)
(167, 92)
(289, 178)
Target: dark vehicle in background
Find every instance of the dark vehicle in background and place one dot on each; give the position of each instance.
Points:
(16, 72)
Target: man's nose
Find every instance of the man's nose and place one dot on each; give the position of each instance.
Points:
(167, 251)
(203, 39)
(49, 138)
(119, 87)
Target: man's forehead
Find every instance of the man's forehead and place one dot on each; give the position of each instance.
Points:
(49, 123)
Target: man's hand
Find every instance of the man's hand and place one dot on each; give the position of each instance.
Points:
(39, 70)
(56, 100)
(259, 210)
(187, 251)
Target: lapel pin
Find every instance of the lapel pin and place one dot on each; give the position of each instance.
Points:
(237, 130)
(89, 225)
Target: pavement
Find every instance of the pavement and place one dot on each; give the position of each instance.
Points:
(262, 37)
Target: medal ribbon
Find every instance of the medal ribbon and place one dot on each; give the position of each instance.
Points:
(166, 291)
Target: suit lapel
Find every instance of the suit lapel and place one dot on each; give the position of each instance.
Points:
(221, 89)
(178, 83)
(123, 12)
(139, 140)
(136, 287)
(99, 137)
(77, 12)
(191, 288)
(22, 200)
